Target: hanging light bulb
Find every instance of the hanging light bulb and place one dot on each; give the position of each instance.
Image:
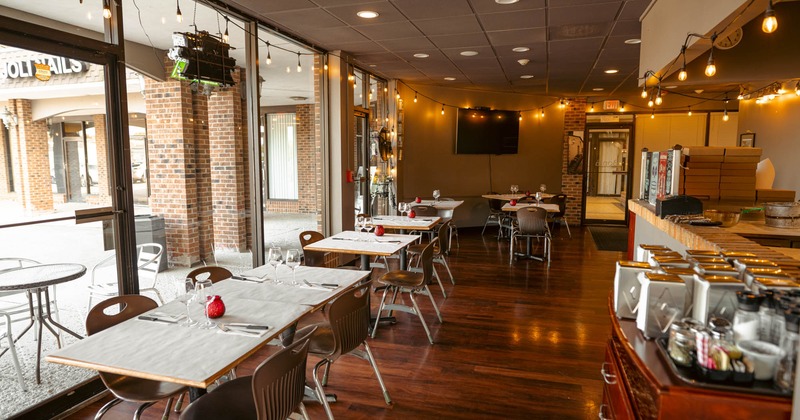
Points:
(682, 75)
(653, 114)
(385, 88)
(725, 116)
(178, 14)
(644, 91)
(225, 37)
(269, 56)
(397, 94)
(797, 89)
(690, 111)
(442, 109)
(770, 22)
(107, 9)
(592, 108)
(561, 104)
(711, 68)
(650, 103)
(542, 113)
(659, 100)
(325, 67)
(622, 107)
(299, 66)
(520, 116)
(415, 97)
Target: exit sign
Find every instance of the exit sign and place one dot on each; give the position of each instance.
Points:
(611, 105)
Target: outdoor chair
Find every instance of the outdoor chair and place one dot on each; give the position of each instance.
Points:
(148, 261)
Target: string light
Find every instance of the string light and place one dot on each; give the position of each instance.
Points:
(659, 100)
(770, 22)
(644, 90)
(650, 103)
(178, 14)
(269, 56)
(542, 114)
(711, 68)
(225, 37)
(622, 107)
(442, 109)
(653, 115)
(520, 116)
(683, 75)
(107, 9)
(561, 104)
(326, 67)
(299, 66)
(592, 108)
(690, 111)
(725, 116)
(415, 97)
(397, 94)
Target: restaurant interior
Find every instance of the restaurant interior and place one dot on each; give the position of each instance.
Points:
(471, 172)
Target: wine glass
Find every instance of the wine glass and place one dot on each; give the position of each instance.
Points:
(542, 188)
(204, 291)
(274, 258)
(538, 197)
(436, 195)
(368, 226)
(188, 299)
(401, 207)
(292, 261)
(514, 188)
(360, 220)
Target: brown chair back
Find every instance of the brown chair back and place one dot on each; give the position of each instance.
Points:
(130, 306)
(443, 246)
(423, 210)
(312, 258)
(527, 199)
(279, 382)
(426, 261)
(532, 221)
(215, 273)
(348, 316)
(561, 200)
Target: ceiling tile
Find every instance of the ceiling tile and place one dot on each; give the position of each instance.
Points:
(449, 26)
(484, 53)
(300, 21)
(427, 9)
(377, 58)
(476, 40)
(586, 30)
(407, 44)
(633, 9)
(331, 3)
(485, 6)
(259, 6)
(335, 36)
(365, 47)
(629, 28)
(520, 20)
(577, 15)
(517, 37)
(386, 31)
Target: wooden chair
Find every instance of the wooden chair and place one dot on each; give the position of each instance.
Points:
(127, 388)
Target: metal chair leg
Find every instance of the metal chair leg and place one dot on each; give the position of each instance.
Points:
(179, 403)
(138, 413)
(325, 374)
(303, 411)
(320, 393)
(102, 411)
(165, 416)
(371, 360)
(380, 310)
(433, 302)
(566, 223)
(421, 318)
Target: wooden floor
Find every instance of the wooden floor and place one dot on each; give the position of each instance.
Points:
(518, 342)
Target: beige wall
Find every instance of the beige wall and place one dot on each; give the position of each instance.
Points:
(777, 128)
(429, 161)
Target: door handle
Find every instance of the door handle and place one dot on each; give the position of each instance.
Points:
(609, 378)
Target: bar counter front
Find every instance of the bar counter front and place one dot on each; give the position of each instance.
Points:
(639, 381)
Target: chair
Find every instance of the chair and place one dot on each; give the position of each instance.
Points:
(403, 281)
(447, 216)
(423, 210)
(274, 392)
(17, 306)
(495, 213)
(10, 338)
(532, 223)
(561, 200)
(148, 260)
(215, 273)
(440, 251)
(127, 388)
(312, 258)
(346, 329)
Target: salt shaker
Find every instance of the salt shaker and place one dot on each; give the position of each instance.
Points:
(746, 318)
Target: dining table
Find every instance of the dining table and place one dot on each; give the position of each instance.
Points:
(551, 208)
(37, 279)
(365, 244)
(512, 196)
(405, 223)
(156, 346)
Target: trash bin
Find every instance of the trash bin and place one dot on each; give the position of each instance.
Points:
(149, 229)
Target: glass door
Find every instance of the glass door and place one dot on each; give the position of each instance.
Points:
(607, 174)
(364, 171)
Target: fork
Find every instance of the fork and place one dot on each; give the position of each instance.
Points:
(222, 327)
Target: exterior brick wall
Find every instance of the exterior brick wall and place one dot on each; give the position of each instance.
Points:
(5, 185)
(202, 173)
(572, 185)
(100, 192)
(32, 165)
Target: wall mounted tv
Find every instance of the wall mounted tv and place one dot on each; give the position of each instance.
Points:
(484, 132)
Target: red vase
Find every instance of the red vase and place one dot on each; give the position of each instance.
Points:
(412, 214)
(215, 308)
(379, 230)
(417, 200)
(513, 202)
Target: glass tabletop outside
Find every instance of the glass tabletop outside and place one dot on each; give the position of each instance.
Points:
(40, 276)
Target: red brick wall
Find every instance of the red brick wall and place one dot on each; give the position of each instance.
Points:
(572, 185)
(202, 176)
(4, 181)
(32, 164)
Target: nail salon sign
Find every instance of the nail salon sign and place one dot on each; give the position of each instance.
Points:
(41, 68)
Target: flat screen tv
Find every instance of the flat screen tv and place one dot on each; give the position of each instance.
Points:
(484, 132)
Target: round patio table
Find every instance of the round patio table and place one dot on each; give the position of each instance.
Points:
(37, 279)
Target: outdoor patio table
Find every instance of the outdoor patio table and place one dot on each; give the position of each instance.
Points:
(37, 279)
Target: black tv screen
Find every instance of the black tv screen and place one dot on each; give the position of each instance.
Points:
(484, 132)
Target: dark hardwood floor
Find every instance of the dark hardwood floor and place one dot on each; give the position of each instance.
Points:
(518, 341)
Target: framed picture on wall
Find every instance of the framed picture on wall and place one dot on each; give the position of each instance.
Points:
(747, 140)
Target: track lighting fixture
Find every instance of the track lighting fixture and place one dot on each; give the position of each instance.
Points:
(770, 22)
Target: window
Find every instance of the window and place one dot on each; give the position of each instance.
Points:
(282, 156)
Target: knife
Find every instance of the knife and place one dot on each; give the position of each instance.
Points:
(323, 285)
(152, 318)
(247, 326)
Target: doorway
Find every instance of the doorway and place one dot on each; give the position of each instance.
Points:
(608, 177)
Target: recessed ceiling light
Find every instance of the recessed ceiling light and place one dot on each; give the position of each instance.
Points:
(505, 1)
(526, 76)
(612, 71)
(421, 55)
(520, 49)
(367, 14)
(598, 89)
(449, 79)
(373, 65)
(469, 53)
(633, 41)
(671, 87)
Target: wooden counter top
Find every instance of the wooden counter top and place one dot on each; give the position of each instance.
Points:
(722, 239)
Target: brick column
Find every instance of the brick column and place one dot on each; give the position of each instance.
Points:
(4, 160)
(100, 192)
(31, 152)
(227, 168)
(202, 176)
(317, 152)
(171, 142)
(572, 185)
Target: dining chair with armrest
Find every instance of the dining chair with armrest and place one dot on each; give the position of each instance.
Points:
(312, 258)
(447, 216)
(148, 261)
(403, 281)
(532, 223)
(274, 392)
(128, 388)
(346, 329)
(561, 200)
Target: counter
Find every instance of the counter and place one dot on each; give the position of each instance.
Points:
(647, 228)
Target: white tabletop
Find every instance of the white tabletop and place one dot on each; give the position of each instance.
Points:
(351, 242)
(551, 208)
(439, 205)
(405, 222)
(509, 197)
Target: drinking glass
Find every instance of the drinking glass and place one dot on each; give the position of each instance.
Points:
(368, 226)
(292, 261)
(436, 195)
(274, 258)
(204, 291)
(188, 299)
(538, 197)
(542, 188)
(401, 208)
(360, 223)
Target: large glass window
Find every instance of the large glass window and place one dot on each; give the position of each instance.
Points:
(282, 156)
